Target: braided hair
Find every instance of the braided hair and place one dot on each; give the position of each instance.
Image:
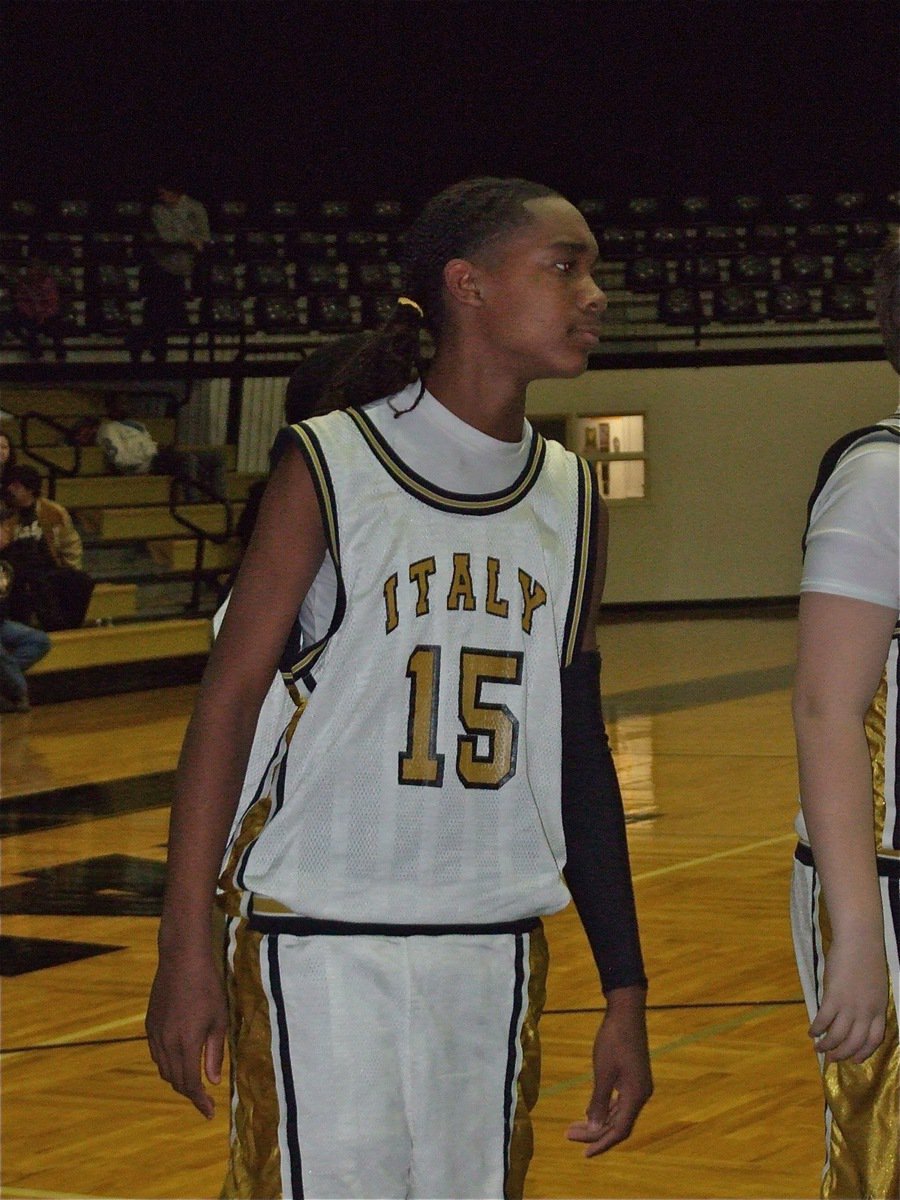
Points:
(457, 223)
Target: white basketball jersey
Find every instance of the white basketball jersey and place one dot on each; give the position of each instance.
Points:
(418, 780)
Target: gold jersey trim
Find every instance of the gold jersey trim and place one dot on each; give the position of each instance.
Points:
(439, 498)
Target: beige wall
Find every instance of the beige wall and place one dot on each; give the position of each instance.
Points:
(732, 454)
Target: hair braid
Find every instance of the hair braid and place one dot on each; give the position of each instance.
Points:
(457, 223)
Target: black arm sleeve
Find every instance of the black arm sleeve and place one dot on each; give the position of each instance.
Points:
(597, 871)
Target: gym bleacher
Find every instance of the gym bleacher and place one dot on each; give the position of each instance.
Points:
(698, 271)
(698, 277)
(158, 560)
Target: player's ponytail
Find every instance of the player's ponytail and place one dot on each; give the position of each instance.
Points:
(457, 223)
(386, 362)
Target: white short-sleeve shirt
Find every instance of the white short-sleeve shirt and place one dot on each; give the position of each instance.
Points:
(853, 541)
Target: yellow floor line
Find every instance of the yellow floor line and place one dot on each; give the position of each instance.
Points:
(688, 1039)
(708, 858)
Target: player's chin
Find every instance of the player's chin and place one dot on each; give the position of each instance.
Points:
(575, 363)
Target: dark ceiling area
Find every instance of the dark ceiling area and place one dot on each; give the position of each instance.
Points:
(303, 98)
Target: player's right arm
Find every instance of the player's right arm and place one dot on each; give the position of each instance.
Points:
(842, 647)
(186, 1017)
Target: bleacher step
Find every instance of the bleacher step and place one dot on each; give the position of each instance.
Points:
(120, 524)
(111, 601)
(140, 641)
(123, 490)
(93, 461)
(179, 554)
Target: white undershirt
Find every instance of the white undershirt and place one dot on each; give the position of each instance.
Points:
(441, 448)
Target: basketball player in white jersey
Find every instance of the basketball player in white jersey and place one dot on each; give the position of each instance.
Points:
(385, 824)
(847, 720)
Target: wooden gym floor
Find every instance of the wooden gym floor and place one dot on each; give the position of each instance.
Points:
(699, 716)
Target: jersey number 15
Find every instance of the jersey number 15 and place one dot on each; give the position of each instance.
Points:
(420, 764)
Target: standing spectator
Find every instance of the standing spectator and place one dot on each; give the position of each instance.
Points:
(36, 310)
(40, 541)
(180, 233)
(20, 648)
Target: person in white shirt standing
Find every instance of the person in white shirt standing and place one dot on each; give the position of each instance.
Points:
(846, 713)
(180, 232)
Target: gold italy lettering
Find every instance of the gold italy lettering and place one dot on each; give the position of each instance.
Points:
(461, 588)
(494, 603)
(392, 617)
(419, 573)
(533, 596)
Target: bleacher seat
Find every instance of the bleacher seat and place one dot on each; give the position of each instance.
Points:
(788, 302)
(735, 304)
(753, 269)
(854, 266)
(280, 314)
(803, 268)
(845, 302)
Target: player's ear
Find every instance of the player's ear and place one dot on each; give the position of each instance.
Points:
(462, 279)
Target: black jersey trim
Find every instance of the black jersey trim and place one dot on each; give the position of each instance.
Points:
(298, 661)
(238, 880)
(315, 926)
(287, 1073)
(512, 1056)
(834, 454)
(440, 498)
(585, 559)
(887, 868)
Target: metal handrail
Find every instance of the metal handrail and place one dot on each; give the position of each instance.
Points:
(202, 535)
(54, 469)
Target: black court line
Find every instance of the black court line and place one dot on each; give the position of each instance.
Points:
(90, 802)
(86, 802)
(569, 1012)
(694, 693)
(549, 1012)
(72, 1045)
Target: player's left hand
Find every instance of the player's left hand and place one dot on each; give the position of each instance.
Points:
(623, 1082)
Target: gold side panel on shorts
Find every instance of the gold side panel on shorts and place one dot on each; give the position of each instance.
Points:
(229, 898)
(254, 1167)
(864, 1101)
(875, 727)
(521, 1143)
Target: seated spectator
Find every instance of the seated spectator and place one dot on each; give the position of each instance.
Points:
(20, 648)
(36, 310)
(126, 442)
(7, 462)
(39, 540)
(129, 449)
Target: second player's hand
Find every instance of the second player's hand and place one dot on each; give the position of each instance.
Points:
(186, 1026)
(850, 1022)
(623, 1081)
